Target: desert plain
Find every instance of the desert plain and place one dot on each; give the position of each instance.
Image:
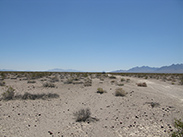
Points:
(143, 111)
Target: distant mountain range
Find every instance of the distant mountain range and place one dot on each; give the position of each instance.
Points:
(174, 68)
(63, 70)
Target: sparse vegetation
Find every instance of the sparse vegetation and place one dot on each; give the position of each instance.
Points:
(31, 81)
(122, 79)
(2, 83)
(51, 85)
(82, 115)
(101, 90)
(37, 96)
(54, 79)
(8, 94)
(68, 81)
(181, 80)
(120, 92)
(120, 84)
(88, 82)
(142, 84)
(112, 77)
(179, 126)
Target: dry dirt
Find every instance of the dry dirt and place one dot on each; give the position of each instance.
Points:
(127, 116)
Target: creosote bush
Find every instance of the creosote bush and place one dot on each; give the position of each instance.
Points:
(31, 81)
(122, 79)
(2, 83)
(142, 84)
(82, 115)
(112, 77)
(51, 85)
(37, 96)
(179, 126)
(120, 92)
(101, 90)
(8, 94)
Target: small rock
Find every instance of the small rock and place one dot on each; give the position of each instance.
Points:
(50, 132)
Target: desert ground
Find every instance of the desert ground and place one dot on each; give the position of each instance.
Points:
(141, 112)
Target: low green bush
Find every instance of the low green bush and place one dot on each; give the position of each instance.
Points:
(120, 92)
(179, 126)
(8, 94)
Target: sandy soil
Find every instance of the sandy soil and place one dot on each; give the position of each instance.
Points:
(127, 116)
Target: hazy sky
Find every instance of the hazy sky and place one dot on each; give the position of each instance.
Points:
(90, 35)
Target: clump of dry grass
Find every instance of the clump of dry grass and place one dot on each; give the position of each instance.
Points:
(84, 115)
(8, 94)
(51, 85)
(68, 81)
(88, 82)
(31, 81)
(122, 79)
(179, 126)
(101, 90)
(112, 77)
(2, 83)
(120, 92)
(142, 84)
(54, 79)
(37, 96)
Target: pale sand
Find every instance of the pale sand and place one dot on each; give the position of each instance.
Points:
(118, 116)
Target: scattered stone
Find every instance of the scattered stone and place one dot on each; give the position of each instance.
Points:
(136, 117)
(50, 132)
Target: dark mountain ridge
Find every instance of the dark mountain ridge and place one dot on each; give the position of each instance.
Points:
(174, 68)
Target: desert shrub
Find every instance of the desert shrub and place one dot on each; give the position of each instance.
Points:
(51, 85)
(54, 79)
(120, 84)
(8, 94)
(37, 96)
(82, 115)
(128, 80)
(88, 82)
(181, 80)
(101, 90)
(179, 126)
(3, 75)
(142, 84)
(120, 92)
(122, 79)
(112, 77)
(2, 83)
(31, 81)
(113, 82)
(68, 81)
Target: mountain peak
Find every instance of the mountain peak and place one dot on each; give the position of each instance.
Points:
(174, 68)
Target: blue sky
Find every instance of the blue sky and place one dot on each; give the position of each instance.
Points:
(90, 35)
